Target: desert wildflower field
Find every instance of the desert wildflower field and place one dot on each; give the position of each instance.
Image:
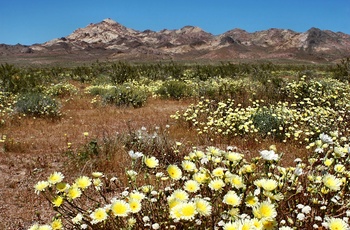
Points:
(114, 145)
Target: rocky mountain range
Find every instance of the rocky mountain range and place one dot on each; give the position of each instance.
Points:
(111, 40)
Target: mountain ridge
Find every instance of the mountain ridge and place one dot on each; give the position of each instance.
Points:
(111, 40)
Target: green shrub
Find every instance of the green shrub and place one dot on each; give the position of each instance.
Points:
(8, 77)
(208, 90)
(126, 96)
(320, 92)
(82, 74)
(99, 89)
(121, 72)
(15, 80)
(342, 70)
(121, 95)
(6, 106)
(174, 89)
(267, 122)
(37, 104)
(61, 89)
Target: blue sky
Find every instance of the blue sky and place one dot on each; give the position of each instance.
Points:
(37, 21)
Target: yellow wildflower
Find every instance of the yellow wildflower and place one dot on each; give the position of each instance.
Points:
(174, 172)
(151, 162)
(55, 178)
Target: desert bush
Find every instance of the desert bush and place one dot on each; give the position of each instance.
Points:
(146, 85)
(56, 73)
(126, 96)
(8, 77)
(99, 89)
(240, 89)
(342, 70)
(15, 80)
(209, 89)
(261, 74)
(174, 89)
(61, 89)
(121, 72)
(32, 80)
(215, 88)
(37, 104)
(322, 92)
(121, 95)
(267, 123)
(82, 74)
(211, 188)
(272, 91)
(7, 101)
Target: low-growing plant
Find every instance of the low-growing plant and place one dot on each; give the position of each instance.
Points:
(156, 141)
(99, 89)
(61, 89)
(8, 75)
(121, 95)
(15, 80)
(121, 72)
(126, 96)
(342, 70)
(211, 188)
(174, 89)
(267, 123)
(37, 104)
(310, 108)
(82, 74)
(84, 153)
(7, 101)
(322, 92)
(98, 151)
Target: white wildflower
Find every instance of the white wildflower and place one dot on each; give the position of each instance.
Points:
(306, 209)
(269, 155)
(155, 226)
(301, 216)
(298, 171)
(135, 155)
(325, 138)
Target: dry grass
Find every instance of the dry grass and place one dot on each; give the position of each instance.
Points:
(35, 148)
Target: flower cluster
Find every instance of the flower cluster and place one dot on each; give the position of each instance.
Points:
(214, 188)
(327, 92)
(300, 118)
(7, 101)
(61, 89)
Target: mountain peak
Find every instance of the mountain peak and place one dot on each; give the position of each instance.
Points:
(99, 34)
(312, 29)
(108, 38)
(109, 21)
(191, 29)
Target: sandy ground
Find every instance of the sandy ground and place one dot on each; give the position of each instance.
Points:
(36, 150)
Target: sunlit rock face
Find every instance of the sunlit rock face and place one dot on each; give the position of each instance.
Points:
(110, 39)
